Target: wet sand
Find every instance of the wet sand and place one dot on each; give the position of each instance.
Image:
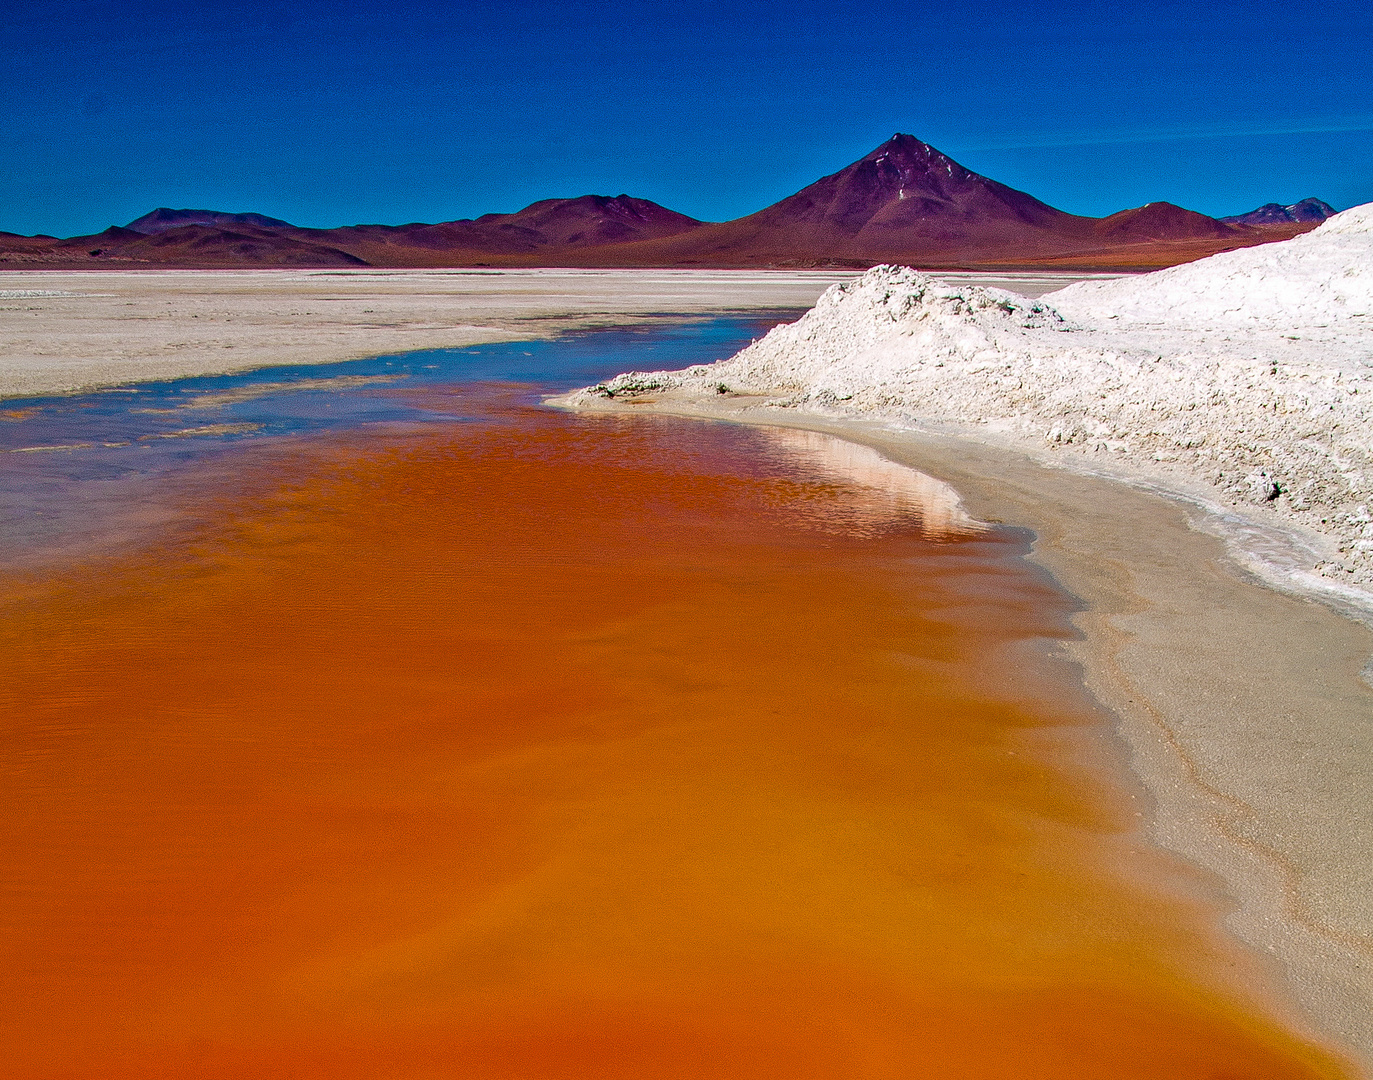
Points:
(492, 749)
(70, 330)
(1243, 708)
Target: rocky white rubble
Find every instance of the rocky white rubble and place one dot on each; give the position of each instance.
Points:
(1250, 372)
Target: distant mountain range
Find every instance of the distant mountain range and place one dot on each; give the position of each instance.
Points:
(1277, 214)
(905, 202)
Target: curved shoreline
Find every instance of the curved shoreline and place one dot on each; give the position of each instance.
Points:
(1241, 704)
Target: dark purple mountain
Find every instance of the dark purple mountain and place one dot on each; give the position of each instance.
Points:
(164, 218)
(1277, 214)
(908, 202)
(905, 196)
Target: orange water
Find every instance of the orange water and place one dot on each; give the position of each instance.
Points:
(548, 747)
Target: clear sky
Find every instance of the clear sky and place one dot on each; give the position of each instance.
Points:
(342, 112)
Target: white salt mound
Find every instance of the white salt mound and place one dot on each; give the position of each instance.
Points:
(1324, 276)
(1249, 373)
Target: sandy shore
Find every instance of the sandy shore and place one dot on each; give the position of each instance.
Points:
(1242, 707)
(62, 331)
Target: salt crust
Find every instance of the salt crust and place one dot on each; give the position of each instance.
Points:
(1244, 380)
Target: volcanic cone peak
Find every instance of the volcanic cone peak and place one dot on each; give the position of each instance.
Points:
(906, 183)
(903, 162)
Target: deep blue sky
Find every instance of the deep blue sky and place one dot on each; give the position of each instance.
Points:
(341, 112)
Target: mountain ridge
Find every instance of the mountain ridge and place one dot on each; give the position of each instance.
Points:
(1309, 209)
(904, 202)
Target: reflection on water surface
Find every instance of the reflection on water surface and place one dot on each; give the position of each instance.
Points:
(870, 491)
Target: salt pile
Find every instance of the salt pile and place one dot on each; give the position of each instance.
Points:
(1248, 375)
(1322, 277)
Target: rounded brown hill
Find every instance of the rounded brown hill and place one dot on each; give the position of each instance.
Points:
(1160, 221)
(587, 221)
